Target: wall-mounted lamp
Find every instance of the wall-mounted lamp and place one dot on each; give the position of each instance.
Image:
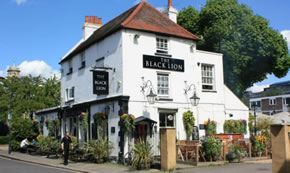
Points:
(192, 47)
(136, 36)
(194, 99)
(151, 96)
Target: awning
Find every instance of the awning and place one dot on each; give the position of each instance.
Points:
(144, 119)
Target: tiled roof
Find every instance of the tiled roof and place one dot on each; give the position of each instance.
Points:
(143, 17)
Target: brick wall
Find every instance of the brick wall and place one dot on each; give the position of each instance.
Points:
(267, 107)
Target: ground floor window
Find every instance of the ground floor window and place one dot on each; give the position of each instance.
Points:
(73, 126)
(167, 119)
(99, 130)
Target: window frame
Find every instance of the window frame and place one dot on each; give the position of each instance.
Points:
(70, 67)
(272, 101)
(168, 85)
(166, 118)
(213, 84)
(162, 49)
(70, 94)
(82, 60)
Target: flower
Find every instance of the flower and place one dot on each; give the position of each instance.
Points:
(83, 113)
(132, 117)
(124, 116)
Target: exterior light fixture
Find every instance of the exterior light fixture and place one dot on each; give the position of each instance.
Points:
(194, 99)
(151, 96)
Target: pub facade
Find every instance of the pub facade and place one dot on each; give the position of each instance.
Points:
(141, 63)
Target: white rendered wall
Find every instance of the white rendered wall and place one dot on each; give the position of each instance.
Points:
(113, 119)
(111, 49)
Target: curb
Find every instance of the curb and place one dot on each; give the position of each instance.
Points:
(43, 164)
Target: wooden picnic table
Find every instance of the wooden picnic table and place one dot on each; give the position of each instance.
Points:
(189, 150)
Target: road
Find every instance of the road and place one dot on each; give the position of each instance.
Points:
(233, 168)
(12, 166)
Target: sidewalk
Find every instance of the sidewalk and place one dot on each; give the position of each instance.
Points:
(86, 167)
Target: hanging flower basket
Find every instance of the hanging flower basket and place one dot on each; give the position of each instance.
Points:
(128, 122)
(84, 120)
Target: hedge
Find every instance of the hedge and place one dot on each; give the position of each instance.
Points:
(4, 139)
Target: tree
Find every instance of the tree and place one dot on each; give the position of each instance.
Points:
(251, 49)
(27, 94)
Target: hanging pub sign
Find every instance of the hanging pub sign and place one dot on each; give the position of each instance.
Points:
(161, 63)
(100, 82)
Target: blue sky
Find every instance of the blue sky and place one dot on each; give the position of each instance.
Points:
(35, 34)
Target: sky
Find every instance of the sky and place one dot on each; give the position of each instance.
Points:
(35, 34)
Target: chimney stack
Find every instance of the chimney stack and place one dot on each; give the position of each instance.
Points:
(171, 12)
(169, 3)
(92, 23)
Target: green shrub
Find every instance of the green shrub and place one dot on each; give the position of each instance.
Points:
(21, 129)
(100, 149)
(142, 157)
(212, 148)
(4, 139)
(47, 144)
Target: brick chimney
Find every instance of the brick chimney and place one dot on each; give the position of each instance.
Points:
(92, 23)
(171, 12)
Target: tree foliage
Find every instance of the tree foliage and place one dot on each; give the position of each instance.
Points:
(251, 48)
(27, 94)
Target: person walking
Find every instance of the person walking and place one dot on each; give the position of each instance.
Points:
(65, 145)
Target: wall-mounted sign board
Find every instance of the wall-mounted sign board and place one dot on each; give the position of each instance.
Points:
(100, 82)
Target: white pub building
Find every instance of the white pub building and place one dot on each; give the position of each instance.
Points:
(141, 63)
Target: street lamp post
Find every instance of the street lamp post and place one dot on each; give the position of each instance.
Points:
(9, 118)
(255, 116)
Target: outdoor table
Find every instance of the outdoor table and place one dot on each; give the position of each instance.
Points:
(189, 149)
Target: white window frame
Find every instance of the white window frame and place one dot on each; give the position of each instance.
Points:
(163, 88)
(272, 101)
(205, 76)
(162, 44)
(70, 93)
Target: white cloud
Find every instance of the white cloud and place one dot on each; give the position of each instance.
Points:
(286, 34)
(19, 2)
(257, 88)
(36, 68)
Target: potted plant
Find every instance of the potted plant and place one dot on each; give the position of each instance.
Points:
(236, 153)
(143, 156)
(188, 122)
(99, 150)
(212, 148)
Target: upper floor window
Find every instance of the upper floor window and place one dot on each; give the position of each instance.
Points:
(82, 60)
(161, 45)
(100, 62)
(70, 93)
(163, 84)
(207, 74)
(272, 101)
(70, 68)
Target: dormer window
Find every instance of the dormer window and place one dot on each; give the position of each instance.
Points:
(161, 45)
(82, 60)
(70, 68)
